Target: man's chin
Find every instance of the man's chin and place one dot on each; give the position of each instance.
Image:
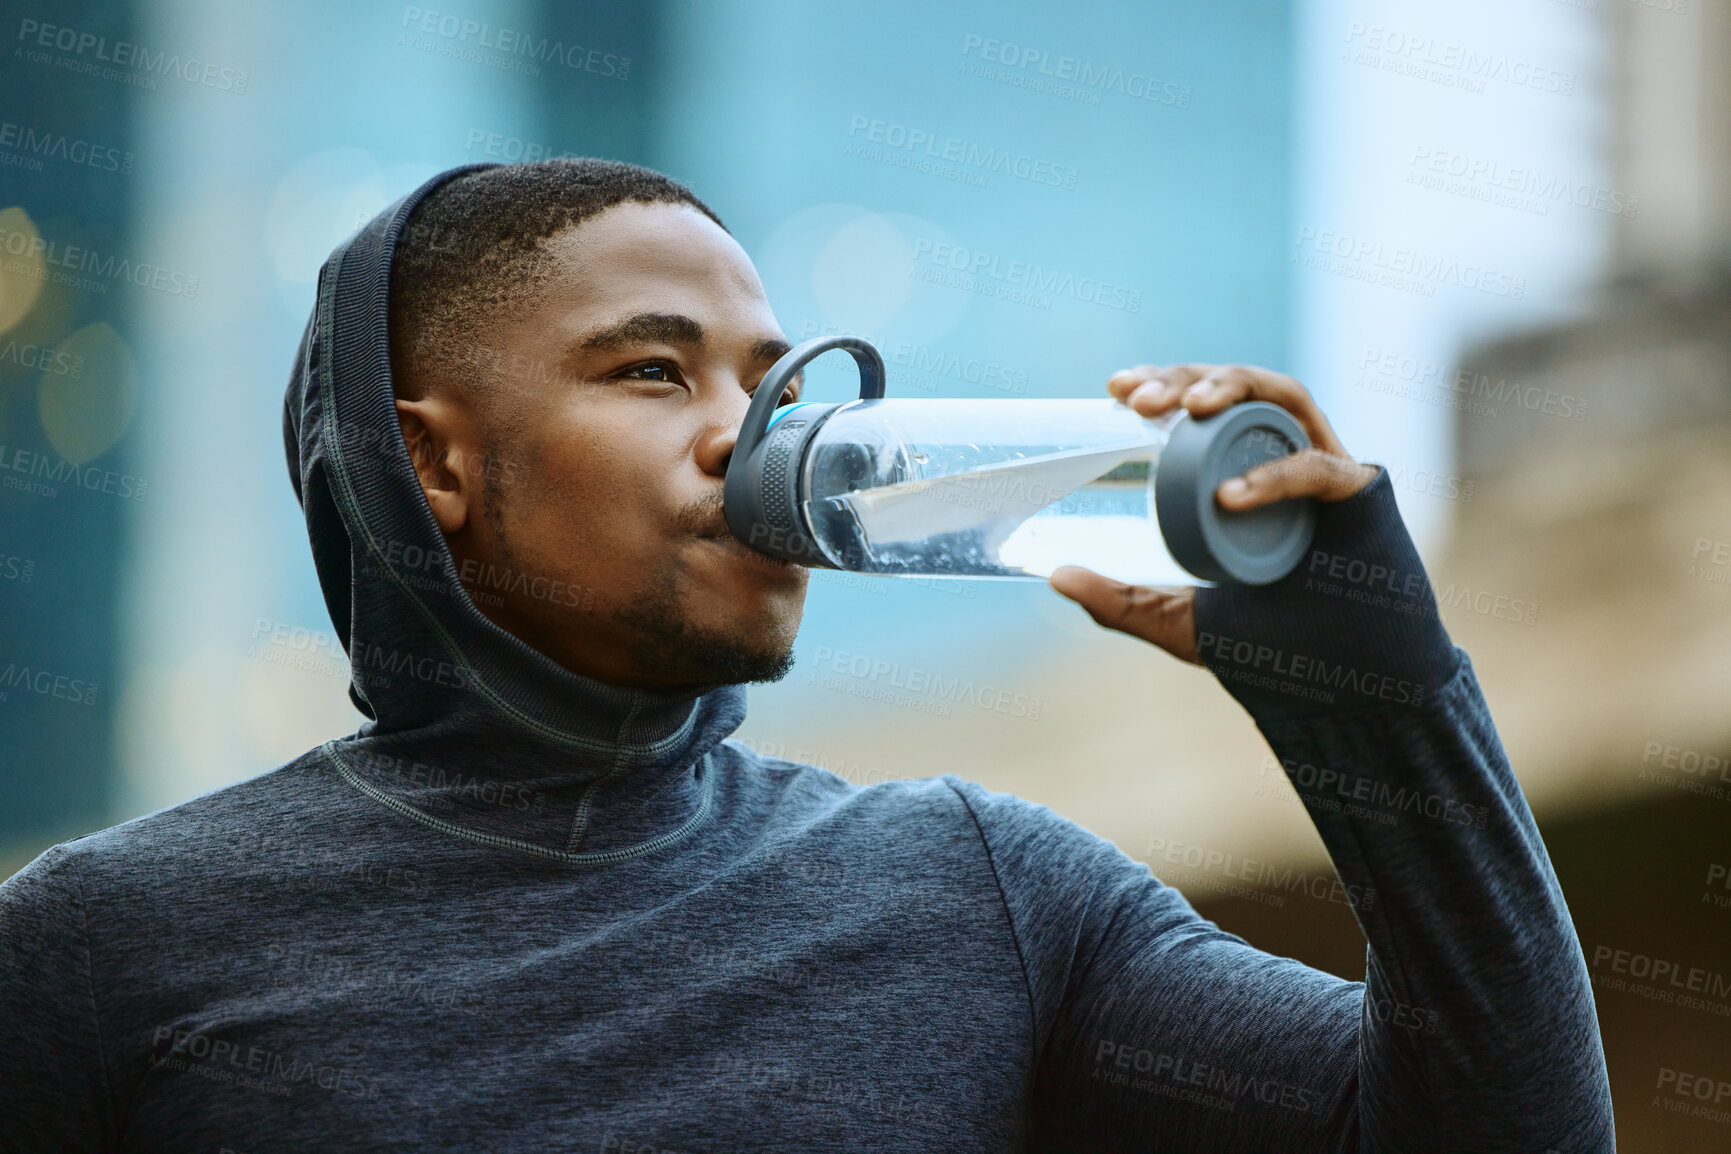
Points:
(712, 666)
(762, 672)
(672, 650)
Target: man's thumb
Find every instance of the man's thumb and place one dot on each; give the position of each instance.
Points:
(1161, 616)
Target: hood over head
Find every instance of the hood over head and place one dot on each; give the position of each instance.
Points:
(470, 730)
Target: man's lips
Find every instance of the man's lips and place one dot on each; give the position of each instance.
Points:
(744, 552)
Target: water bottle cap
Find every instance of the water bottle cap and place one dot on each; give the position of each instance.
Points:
(1255, 547)
(760, 494)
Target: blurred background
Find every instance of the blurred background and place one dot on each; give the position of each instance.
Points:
(1492, 236)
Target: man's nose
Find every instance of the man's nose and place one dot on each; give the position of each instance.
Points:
(721, 431)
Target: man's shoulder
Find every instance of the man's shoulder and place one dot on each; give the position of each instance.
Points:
(840, 781)
(868, 792)
(201, 834)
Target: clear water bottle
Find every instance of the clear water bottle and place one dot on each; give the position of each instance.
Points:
(1006, 488)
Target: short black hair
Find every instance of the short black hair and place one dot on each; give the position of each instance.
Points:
(470, 252)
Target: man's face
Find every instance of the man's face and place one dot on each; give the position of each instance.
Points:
(629, 378)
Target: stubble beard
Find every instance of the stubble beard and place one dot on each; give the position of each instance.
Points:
(666, 649)
(665, 643)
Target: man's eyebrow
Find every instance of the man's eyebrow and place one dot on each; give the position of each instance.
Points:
(669, 328)
(771, 349)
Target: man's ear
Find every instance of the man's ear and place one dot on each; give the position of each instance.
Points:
(438, 434)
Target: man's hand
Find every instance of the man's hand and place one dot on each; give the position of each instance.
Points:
(1166, 616)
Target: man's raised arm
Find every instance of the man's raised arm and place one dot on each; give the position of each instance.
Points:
(1474, 1028)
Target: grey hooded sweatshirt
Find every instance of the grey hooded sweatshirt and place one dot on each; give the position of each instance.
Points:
(521, 910)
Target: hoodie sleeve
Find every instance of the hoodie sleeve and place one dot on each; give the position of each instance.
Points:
(52, 1078)
(1474, 1028)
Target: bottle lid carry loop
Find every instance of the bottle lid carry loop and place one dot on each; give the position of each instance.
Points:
(761, 491)
(764, 505)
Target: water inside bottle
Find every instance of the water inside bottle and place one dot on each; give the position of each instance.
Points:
(1019, 518)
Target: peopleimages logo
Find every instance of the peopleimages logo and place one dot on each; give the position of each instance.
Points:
(56, 471)
(1369, 583)
(919, 366)
(79, 259)
(377, 666)
(1069, 76)
(1408, 269)
(925, 690)
(1441, 62)
(1026, 282)
(59, 146)
(45, 683)
(1682, 1086)
(451, 784)
(1384, 371)
(1262, 666)
(1675, 976)
(984, 160)
(1203, 859)
(90, 50)
(1325, 788)
(460, 33)
(42, 359)
(512, 149)
(277, 1071)
(1510, 186)
(1174, 1075)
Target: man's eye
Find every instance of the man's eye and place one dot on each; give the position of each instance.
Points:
(788, 395)
(654, 371)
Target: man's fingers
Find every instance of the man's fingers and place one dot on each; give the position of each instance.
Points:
(1152, 390)
(1162, 616)
(1326, 471)
(1225, 385)
(1310, 473)
(1123, 382)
